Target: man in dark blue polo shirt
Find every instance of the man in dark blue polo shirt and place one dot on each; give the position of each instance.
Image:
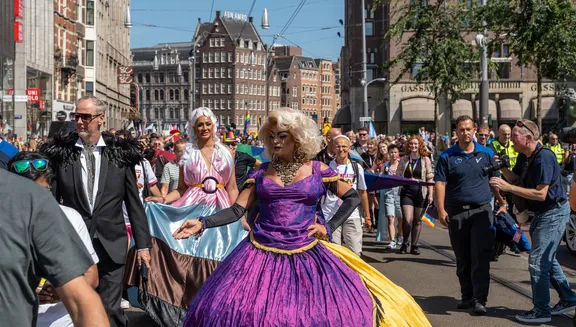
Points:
(538, 181)
(463, 198)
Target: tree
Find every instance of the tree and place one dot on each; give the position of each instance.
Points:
(541, 34)
(438, 47)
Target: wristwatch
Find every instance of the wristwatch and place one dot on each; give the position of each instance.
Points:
(504, 205)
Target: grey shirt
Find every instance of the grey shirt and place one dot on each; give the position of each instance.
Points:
(36, 240)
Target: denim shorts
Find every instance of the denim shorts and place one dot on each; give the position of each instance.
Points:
(392, 202)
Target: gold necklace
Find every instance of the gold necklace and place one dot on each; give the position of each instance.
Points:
(287, 170)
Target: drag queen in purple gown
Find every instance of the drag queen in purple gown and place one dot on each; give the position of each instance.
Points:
(287, 273)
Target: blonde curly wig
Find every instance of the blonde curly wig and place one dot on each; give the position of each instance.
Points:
(303, 129)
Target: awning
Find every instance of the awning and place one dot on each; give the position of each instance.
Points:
(549, 108)
(510, 109)
(418, 109)
(491, 109)
(462, 107)
(342, 117)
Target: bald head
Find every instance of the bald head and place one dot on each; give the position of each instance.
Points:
(333, 132)
(504, 134)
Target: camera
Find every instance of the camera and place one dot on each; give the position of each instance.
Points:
(503, 162)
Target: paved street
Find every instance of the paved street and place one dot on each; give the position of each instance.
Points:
(431, 279)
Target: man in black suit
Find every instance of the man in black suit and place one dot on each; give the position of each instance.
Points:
(94, 174)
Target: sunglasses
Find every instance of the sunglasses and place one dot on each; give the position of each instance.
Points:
(484, 135)
(85, 117)
(363, 134)
(520, 123)
(24, 165)
(232, 145)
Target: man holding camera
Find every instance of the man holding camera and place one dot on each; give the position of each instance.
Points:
(463, 198)
(538, 189)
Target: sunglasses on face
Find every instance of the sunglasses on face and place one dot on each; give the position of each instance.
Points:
(232, 145)
(23, 165)
(85, 117)
(520, 123)
(363, 134)
(484, 135)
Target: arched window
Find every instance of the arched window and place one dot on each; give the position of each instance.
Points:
(147, 114)
(171, 111)
(177, 95)
(147, 95)
(185, 95)
(161, 95)
(156, 95)
(156, 114)
(171, 94)
(177, 113)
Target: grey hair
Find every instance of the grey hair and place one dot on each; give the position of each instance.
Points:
(534, 131)
(100, 105)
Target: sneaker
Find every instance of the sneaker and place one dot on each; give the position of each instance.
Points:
(399, 240)
(479, 309)
(124, 304)
(391, 245)
(563, 307)
(465, 304)
(414, 250)
(533, 317)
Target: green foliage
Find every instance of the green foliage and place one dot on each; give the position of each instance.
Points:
(448, 62)
(540, 33)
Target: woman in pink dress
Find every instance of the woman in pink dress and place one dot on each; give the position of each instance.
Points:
(207, 184)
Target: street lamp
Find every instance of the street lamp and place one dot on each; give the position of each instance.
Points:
(365, 90)
(482, 42)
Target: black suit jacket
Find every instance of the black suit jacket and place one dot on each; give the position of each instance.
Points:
(116, 184)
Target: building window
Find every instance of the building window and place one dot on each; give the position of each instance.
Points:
(89, 87)
(229, 88)
(89, 53)
(205, 57)
(177, 95)
(177, 113)
(211, 74)
(90, 13)
(211, 57)
(162, 78)
(217, 74)
(211, 43)
(171, 111)
(186, 114)
(171, 94)
(185, 95)
(161, 95)
(229, 56)
(204, 88)
(186, 77)
(162, 113)
(140, 78)
(156, 114)
(147, 78)
(229, 72)
(156, 95)
(147, 95)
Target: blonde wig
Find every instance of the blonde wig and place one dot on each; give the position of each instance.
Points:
(303, 129)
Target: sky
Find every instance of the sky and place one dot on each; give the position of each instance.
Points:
(314, 29)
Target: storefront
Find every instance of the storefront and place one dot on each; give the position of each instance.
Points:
(6, 91)
(39, 106)
(416, 113)
(7, 48)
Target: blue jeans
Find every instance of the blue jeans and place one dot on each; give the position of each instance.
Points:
(546, 231)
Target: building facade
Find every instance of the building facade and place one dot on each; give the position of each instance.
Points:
(7, 52)
(69, 72)
(107, 47)
(306, 84)
(405, 106)
(163, 75)
(33, 70)
(233, 72)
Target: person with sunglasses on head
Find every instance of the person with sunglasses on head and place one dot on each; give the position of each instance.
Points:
(51, 311)
(41, 239)
(94, 173)
(536, 181)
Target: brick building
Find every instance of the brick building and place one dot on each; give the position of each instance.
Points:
(69, 32)
(232, 70)
(405, 107)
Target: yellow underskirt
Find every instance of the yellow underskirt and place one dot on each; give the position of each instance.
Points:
(400, 308)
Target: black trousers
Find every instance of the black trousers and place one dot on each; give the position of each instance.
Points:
(110, 275)
(472, 237)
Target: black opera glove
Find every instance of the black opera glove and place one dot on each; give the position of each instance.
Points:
(223, 217)
(350, 201)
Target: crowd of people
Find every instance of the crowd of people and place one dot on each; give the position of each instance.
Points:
(293, 225)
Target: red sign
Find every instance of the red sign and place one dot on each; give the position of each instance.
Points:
(125, 75)
(42, 105)
(19, 9)
(10, 92)
(33, 95)
(18, 32)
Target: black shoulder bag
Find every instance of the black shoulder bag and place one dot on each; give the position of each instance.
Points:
(521, 203)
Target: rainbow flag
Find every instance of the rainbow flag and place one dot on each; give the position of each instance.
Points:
(247, 124)
(430, 216)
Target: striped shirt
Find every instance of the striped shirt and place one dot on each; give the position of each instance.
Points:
(170, 175)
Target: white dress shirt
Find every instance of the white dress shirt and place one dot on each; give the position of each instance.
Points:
(98, 159)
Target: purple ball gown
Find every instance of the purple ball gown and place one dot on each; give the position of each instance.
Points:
(281, 277)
